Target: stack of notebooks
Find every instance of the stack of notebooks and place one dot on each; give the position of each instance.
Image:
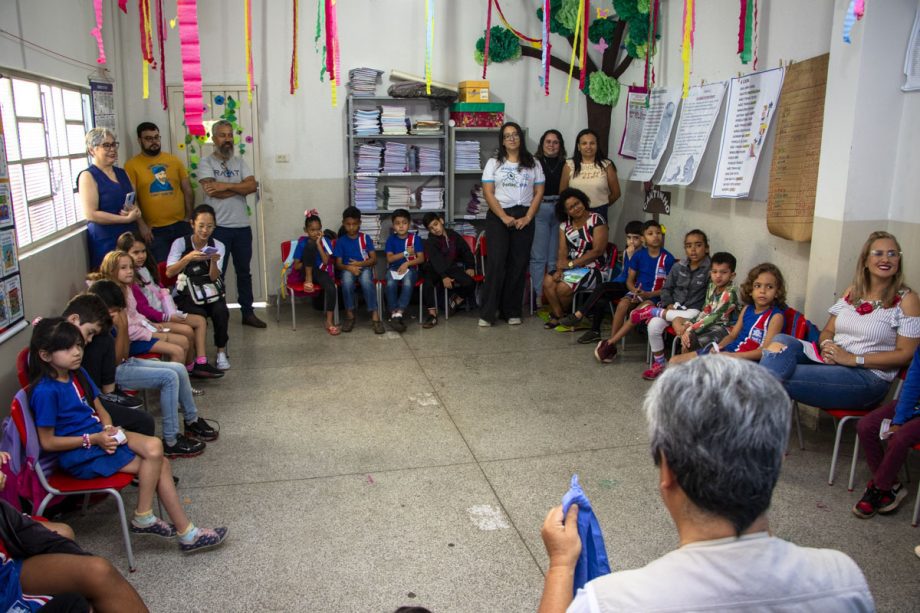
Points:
(362, 82)
(420, 228)
(370, 225)
(393, 120)
(465, 229)
(396, 197)
(366, 193)
(428, 127)
(430, 198)
(366, 122)
(477, 206)
(429, 159)
(369, 156)
(394, 157)
(467, 155)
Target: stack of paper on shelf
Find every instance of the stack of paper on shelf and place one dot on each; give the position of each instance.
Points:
(396, 197)
(365, 193)
(370, 225)
(394, 120)
(394, 157)
(477, 207)
(369, 156)
(420, 228)
(429, 159)
(362, 82)
(366, 122)
(428, 126)
(467, 155)
(430, 198)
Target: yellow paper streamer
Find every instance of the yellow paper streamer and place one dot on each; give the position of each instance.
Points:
(685, 52)
(146, 78)
(578, 25)
(247, 9)
(335, 96)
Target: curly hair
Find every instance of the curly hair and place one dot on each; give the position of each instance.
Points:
(747, 287)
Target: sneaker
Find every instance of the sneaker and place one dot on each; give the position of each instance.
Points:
(158, 528)
(397, 323)
(206, 539)
(484, 324)
(514, 321)
(642, 315)
(889, 500)
(605, 352)
(652, 373)
(589, 338)
(205, 371)
(122, 400)
(222, 362)
(570, 321)
(184, 448)
(201, 429)
(197, 391)
(868, 504)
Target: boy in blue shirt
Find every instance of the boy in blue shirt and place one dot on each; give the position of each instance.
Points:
(404, 255)
(598, 302)
(355, 258)
(647, 273)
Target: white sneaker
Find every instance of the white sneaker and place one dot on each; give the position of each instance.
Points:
(222, 362)
(484, 324)
(514, 321)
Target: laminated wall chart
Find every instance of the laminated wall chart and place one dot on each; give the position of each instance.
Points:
(12, 311)
(656, 131)
(752, 101)
(796, 150)
(698, 113)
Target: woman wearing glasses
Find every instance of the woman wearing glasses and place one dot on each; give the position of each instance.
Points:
(512, 183)
(106, 195)
(873, 330)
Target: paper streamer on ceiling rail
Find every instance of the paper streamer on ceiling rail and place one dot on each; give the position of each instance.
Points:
(187, 14)
(742, 19)
(686, 51)
(247, 18)
(429, 43)
(533, 42)
(332, 49)
(161, 42)
(756, 35)
(295, 83)
(650, 49)
(547, 48)
(855, 11)
(146, 29)
(586, 11)
(123, 5)
(576, 39)
(485, 55)
(320, 33)
(97, 31)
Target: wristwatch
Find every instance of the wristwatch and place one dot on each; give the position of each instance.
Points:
(860, 360)
(571, 264)
(406, 254)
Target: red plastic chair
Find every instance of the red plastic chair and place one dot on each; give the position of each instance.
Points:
(56, 483)
(165, 280)
(296, 289)
(22, 367)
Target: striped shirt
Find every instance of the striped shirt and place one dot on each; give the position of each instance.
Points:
(580, 241)
(873, 332)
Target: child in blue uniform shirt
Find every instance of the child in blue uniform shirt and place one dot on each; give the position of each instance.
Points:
(404, 255)
(355, 258)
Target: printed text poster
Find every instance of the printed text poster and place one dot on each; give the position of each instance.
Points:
(14, 300)
(656, 131)
(698, 112)
(635, 117)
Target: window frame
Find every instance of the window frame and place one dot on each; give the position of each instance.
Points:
(54, 163)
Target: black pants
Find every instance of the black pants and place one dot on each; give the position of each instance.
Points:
(216, 311)
(464, 286)
(508, 252)
(599, 301)
(133, 420)
(164, 236)
(320, 277)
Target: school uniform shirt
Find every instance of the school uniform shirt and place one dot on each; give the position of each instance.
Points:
(399, 245)
(624, 271)
(354, 249)
(301, 246)
(651, 272)
(686, 286)
(514, 184)
(753, 329)
(158, 181)
(231, 212)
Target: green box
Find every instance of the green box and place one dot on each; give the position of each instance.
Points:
(478, 107)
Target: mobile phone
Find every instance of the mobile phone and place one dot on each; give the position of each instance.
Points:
(209, 250)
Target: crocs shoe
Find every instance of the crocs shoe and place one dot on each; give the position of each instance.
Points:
(642, 315)
(158, 528)
(206, 539)
(605, 352)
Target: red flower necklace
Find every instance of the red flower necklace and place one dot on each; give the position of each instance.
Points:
(867, 306)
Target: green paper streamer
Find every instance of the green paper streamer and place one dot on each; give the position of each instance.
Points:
(748, 35)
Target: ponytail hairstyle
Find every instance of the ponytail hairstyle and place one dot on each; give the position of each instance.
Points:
(49, 335)
(126, 243)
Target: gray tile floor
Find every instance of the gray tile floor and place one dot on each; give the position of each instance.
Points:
(364, 472)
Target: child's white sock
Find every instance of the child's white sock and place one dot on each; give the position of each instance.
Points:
(659, 359)
(142, 520)
(189, 534)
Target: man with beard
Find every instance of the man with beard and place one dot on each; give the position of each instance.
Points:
(156, 175)
(226, 181)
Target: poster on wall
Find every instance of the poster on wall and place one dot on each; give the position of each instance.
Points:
(6, 206)
(4, 309)
(103, 99)
(4, 169)
(752, 102)
(11, 321)
(9, 263)
(656, 131)
(635, 118)
(14, 299)
(698, 113)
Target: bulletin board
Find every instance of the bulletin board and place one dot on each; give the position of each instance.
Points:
(797, 150)
(12, 310)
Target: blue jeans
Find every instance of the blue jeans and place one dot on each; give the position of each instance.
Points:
(238, 242)
(545, 245)
(366, 279)
(403, 287)
(826, 386)
(164, 236)
(171, 379)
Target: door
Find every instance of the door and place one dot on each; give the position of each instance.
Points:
(228, 102)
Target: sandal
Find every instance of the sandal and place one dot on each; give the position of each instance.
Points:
(349, 324)
(551, 323)
(333, 330)
(430, 321)
(378, 326)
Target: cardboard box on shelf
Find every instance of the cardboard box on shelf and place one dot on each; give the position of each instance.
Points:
(478, 115)
(474, 91)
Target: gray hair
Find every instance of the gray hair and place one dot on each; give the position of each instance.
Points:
(722, 424)
(97, 136)
(220, 123)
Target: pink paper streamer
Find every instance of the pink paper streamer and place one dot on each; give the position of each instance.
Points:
(161, 41)
(97, 31)
(123, 5)
(860, 9)
(485, 55)
(332, 42)
(187, 12)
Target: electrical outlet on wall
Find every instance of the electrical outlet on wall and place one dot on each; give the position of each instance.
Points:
(282, 158)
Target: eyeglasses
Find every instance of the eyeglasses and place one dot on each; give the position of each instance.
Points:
(151, 139)
(877, 253)
(514, 136)
(109, 146)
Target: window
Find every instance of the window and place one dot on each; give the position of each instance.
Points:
(44, 124)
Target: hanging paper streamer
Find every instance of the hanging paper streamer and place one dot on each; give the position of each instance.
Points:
(332, 49)
(533, 42)
(586, 10)
(294, 68)
(161, 42)
(650, 49)
(429, 44)
(187, 14)
(97, 31)
(485, 55)
(746, 30)
(686, 52)
(855, 12)
(146, 28)
(576, 38)
(547, 48)
(123, 5)
(320, 34)
(756, 36)
(742, 19)
(247, 17)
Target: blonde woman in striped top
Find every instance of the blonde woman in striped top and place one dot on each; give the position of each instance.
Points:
(871, 333)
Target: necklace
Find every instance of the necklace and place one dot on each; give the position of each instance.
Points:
(551, 169)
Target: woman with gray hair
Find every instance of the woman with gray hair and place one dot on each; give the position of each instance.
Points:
(106, 195)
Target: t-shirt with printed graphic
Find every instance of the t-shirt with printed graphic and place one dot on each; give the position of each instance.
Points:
(514, 184)
(352, 249)
(232, 211)
(399, 245)
(651, 271)
(158, 181)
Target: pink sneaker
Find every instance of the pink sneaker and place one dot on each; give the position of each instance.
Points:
(652, 373)
(642, 315)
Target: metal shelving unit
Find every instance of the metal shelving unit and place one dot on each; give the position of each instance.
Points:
(460, 182)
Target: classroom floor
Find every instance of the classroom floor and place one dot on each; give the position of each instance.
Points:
(364, 472)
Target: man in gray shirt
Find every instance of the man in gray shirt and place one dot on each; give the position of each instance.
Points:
(718, 429)
(226, 181)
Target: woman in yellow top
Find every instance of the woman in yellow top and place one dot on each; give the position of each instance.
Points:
(590, 171)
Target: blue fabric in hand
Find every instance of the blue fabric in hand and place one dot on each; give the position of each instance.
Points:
(592, 562)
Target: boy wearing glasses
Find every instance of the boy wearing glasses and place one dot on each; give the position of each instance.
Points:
(164, 192)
